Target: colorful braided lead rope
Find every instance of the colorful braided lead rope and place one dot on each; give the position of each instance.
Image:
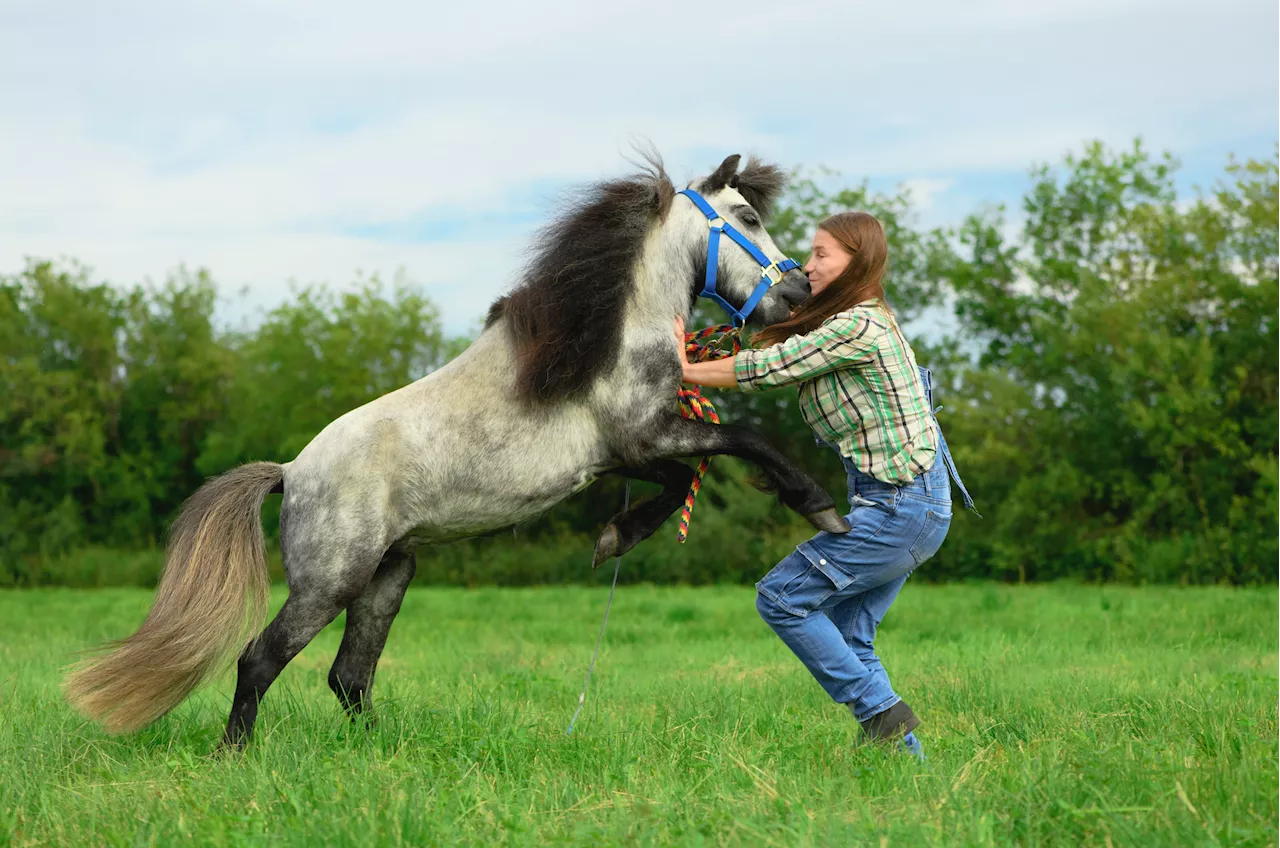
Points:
(705, 345)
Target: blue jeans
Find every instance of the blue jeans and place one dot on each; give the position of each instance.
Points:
(827, 597)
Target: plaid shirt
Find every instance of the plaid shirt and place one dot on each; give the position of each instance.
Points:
(859, 389)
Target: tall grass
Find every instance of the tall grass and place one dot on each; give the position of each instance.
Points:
(1054, 715)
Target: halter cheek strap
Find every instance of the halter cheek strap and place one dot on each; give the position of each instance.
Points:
(772, 271)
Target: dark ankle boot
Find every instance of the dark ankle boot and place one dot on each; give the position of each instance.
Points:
(893, 723)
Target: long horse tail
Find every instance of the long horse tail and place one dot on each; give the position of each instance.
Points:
(211, 599)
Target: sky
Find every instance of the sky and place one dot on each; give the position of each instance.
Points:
(319, 142)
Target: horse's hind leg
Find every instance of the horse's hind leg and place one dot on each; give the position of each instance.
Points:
(303, 615)
(369, 619)
(315, 599)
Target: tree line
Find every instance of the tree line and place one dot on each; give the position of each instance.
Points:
(1108, 383)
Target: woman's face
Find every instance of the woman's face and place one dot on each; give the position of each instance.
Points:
(826, 262)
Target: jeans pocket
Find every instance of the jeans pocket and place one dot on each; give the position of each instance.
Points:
(932, 534)
(804, 581)
(884, 497)
(839, 579)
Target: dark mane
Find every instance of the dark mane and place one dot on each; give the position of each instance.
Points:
(565, 317)
(760, 184)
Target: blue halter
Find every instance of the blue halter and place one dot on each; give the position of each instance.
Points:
(773, 271)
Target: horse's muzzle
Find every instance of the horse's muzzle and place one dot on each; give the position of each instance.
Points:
(794, 287)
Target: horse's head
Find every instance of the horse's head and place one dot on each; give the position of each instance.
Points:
(752, 281)
(638, 241)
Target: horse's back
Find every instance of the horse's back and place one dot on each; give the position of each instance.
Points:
(448, 456)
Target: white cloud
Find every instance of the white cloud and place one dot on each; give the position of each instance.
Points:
(923, 190)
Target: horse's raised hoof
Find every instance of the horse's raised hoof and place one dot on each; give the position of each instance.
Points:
(606, 546)
(829, 520)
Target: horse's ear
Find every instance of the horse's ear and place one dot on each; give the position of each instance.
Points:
(728, 170)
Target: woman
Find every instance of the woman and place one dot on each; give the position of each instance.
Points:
(864, 396)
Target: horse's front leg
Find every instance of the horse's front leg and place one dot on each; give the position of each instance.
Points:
(637, 523)
(676, 436)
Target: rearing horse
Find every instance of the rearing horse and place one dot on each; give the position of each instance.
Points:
(573, 376)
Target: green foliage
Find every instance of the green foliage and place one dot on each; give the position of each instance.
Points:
(105, 398)
(116, 404)
(1110, 396)
(315, 358)
(1121, 419)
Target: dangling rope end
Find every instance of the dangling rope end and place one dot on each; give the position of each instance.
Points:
(702, 346)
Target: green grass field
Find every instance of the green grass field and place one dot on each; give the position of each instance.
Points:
(1059, 715)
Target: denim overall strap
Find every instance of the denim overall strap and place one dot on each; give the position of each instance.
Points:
(943, 450)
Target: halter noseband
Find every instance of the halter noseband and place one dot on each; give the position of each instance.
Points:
(772, 271)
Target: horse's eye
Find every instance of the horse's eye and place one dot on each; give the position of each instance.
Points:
(750, 219)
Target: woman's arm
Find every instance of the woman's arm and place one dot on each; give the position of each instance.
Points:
(844, 340)
(840, 342)
(718, 373)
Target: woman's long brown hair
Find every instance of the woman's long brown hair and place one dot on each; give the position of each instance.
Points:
(863, 236)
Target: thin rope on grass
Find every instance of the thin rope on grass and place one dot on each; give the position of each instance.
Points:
(617, 564)
(704, 345)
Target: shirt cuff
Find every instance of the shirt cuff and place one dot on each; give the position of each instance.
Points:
(744, 370)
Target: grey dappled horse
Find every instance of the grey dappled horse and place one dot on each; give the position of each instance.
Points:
(573, 376)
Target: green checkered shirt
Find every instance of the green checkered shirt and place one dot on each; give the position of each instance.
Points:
(859, 389)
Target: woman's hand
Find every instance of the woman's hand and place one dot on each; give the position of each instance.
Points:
(718, 373)
(680, 348)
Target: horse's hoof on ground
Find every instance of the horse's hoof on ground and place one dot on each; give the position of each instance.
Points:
(829, 520)
(606, 545)
(363, 719)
